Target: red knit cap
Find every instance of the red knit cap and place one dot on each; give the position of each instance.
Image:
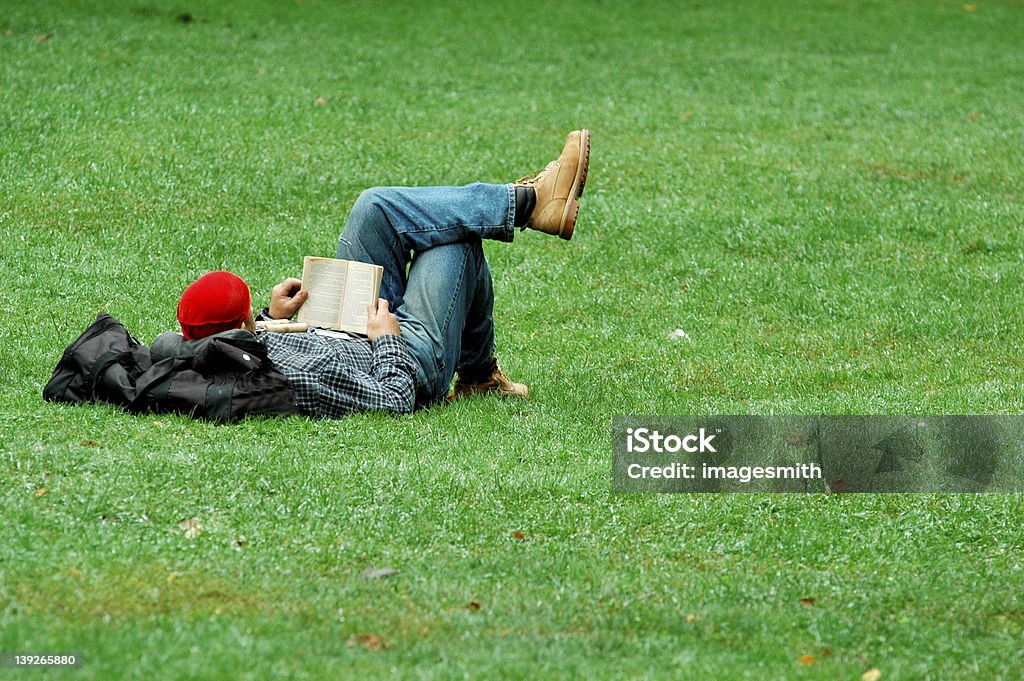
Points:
(215, 302)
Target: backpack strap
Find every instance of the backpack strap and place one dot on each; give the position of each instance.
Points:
(103, 362)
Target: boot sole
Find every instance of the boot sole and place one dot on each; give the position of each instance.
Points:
(572, 208)
(584, 162)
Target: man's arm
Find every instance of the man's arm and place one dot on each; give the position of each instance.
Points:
(331, 383)
(393, 374)
(390, 384)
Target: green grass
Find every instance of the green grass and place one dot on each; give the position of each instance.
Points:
(824, 195)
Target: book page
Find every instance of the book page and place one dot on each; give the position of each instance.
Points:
(361, 288)
(324, 280)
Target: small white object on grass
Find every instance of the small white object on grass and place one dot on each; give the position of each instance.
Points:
(679, 334)
(377, 573)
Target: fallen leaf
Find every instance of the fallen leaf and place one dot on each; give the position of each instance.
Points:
(796, 439)
(519, 535)
(368, 641)
(472, 605)
(43, 38)
(377, 573)
(974, 117)
(191, 527)
(807, 602)
(41, 491)
(872, 674)
(808, 659)
(837, 487)
(319, 101)
(691, 618)
(970, 7)
(88, 443)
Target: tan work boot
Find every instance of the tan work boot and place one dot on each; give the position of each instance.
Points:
(498, 384)
(559, 186)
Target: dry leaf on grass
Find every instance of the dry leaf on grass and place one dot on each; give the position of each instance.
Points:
(472, 605)
(368, 641)
(43, 38)
(519, 535)
(807, 602)
(319, 101)
(808, 659)
(872, 674)
(41, 491)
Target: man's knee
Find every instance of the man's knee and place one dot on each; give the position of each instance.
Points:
(373, 198)
(367, 215)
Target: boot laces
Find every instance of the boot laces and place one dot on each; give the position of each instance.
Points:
(530, 181)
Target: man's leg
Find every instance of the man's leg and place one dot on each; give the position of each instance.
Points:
(445, 303)
(388, 224)
(447, 318)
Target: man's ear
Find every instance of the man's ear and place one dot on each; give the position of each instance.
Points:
(249, 324)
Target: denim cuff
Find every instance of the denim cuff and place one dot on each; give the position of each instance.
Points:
(510, 218)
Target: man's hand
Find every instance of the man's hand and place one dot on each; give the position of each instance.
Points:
(380, 321)
(286, 298)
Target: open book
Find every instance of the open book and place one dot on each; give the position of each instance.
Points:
(339, 293)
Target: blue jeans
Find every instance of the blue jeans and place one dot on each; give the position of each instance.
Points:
(428, 240)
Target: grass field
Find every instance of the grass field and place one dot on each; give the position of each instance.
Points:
(825, 196)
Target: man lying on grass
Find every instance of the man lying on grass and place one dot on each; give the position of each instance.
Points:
(429, 325)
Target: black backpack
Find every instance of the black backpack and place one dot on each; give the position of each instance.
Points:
(102, 365)
(224, 377)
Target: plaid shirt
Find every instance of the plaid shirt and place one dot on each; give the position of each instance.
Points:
(333, 377)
